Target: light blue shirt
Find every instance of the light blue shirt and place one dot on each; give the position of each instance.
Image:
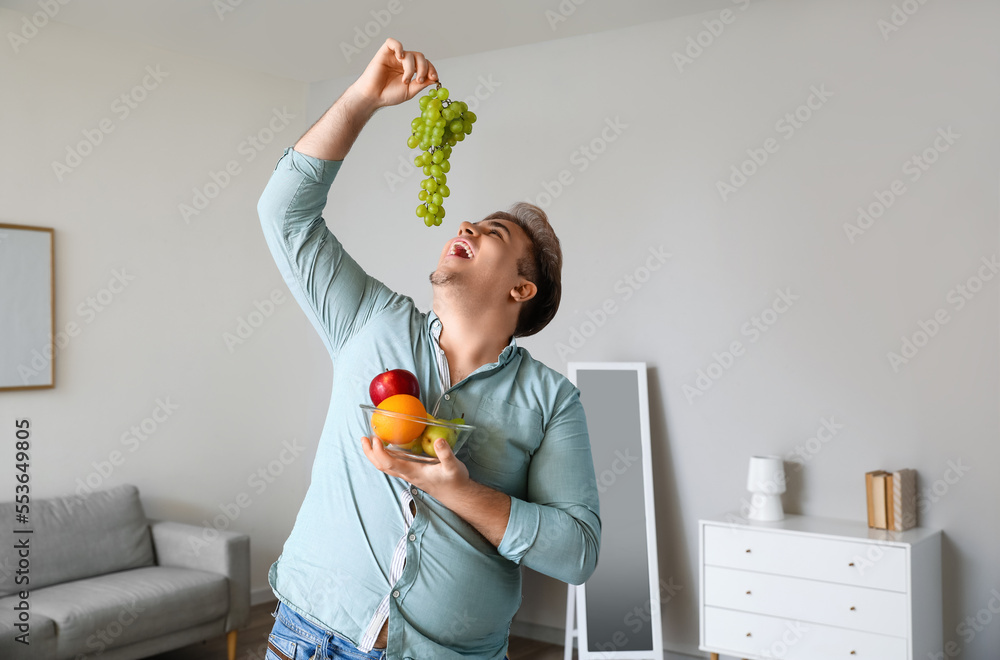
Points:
(457, 594)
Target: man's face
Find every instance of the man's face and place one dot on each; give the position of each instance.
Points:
(482, 260)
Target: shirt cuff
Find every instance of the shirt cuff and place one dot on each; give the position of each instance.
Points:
(321, 171)
(522, 529)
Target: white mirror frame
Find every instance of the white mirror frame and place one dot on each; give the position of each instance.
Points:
(27, 307)
(576, 621)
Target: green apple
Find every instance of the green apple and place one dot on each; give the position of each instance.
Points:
(432, 433)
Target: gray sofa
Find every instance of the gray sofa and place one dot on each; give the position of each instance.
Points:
(104, 581)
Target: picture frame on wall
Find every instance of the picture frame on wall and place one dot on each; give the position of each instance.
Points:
(27, 307)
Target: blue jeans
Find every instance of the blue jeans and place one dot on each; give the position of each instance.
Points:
(296, 638)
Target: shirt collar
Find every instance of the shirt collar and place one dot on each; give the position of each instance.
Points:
(434, 326)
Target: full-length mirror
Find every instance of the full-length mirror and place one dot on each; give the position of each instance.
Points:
(27, 313)
(618, 607)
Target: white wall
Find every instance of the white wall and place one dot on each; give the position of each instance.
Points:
(161, 337)
(655, 185)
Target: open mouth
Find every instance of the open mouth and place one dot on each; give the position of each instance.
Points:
(460, 249)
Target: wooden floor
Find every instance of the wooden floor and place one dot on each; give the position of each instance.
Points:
(253, 641)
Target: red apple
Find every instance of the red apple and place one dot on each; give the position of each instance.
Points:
(390, 382)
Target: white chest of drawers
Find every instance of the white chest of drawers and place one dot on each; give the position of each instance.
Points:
(808, 588)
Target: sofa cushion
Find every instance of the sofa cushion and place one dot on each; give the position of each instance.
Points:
(118, 609)
(41, 633)
(79, 536)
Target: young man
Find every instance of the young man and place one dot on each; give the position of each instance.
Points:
(395, 559)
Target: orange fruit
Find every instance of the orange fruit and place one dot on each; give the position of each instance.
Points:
(397, 430)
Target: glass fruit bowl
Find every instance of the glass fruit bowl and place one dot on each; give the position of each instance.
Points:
(412, 438)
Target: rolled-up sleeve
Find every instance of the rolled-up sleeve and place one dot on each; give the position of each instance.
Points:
(333, 290)
(557, 530)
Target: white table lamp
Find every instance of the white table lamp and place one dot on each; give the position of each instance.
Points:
(766, 483)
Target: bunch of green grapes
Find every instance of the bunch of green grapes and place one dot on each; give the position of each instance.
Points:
(442, 124)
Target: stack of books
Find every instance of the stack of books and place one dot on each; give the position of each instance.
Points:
(892, 499)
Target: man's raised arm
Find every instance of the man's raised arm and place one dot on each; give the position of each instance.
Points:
(393, 76)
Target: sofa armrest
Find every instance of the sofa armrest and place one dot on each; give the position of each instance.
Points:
(228, 553)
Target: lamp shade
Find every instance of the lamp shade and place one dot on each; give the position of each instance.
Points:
(767, 475)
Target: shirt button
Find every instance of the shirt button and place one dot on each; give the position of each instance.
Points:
(413, 490)
(395, 594)
(413, 537)
(447, 397)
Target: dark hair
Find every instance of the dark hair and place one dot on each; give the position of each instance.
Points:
(542, 266)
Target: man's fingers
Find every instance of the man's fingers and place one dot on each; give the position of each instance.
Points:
(421, 67)
(395, 47)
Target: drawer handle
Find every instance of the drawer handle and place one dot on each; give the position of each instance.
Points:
(748, 592)
(851, 564)
(853, 653)
(748, 550)
(749, 635)
(853, 608)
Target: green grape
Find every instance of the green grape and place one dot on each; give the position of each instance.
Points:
(442, 124)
